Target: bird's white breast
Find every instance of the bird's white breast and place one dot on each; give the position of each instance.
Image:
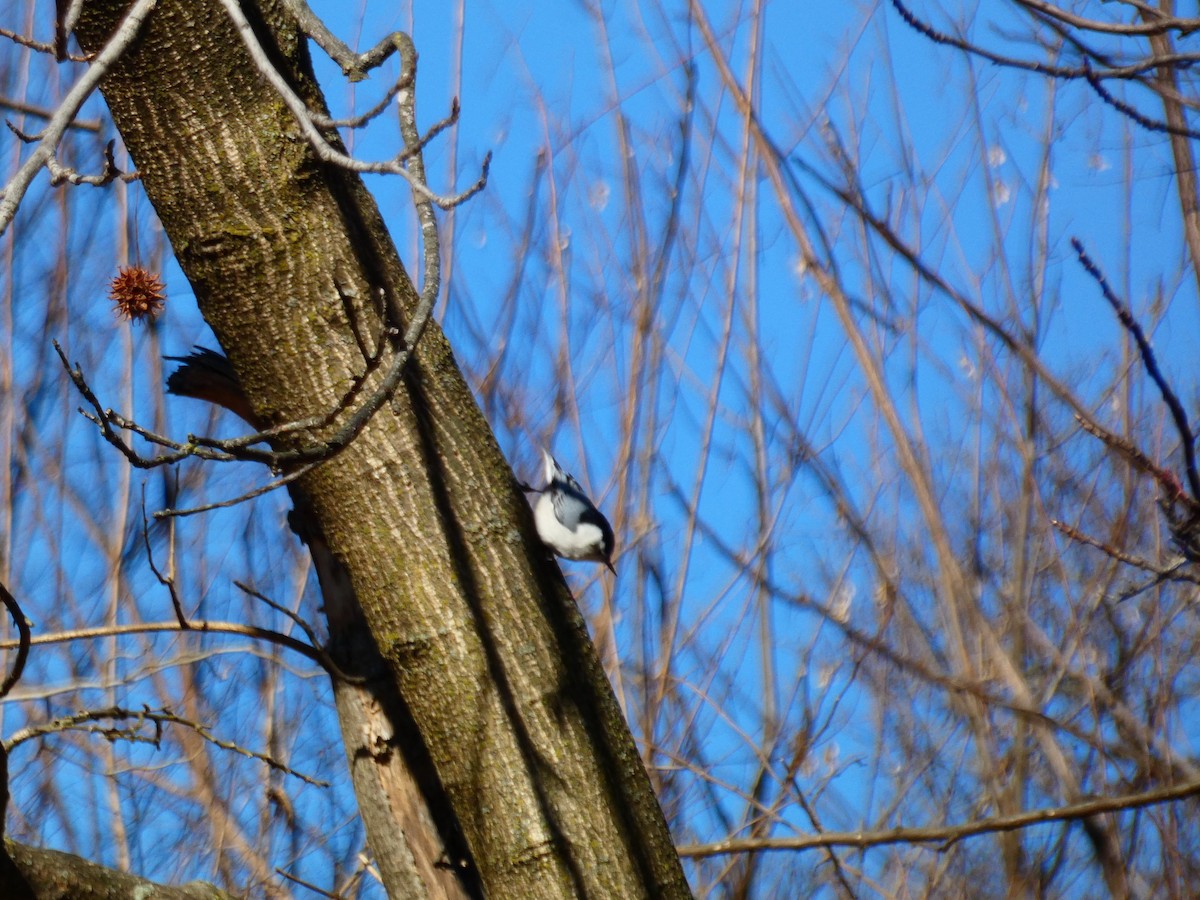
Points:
(582, 543)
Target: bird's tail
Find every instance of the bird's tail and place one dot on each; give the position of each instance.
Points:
(207, 375)
(550, 467)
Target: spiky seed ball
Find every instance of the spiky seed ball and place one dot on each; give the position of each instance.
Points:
(137, 293)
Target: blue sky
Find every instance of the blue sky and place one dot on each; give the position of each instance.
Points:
(951, 152)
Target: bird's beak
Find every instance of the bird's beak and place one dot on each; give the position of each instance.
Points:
(608, 562)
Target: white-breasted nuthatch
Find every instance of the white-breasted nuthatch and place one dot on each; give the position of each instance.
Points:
(568, 522)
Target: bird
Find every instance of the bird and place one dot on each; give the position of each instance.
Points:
(568, 522)
(207, 375)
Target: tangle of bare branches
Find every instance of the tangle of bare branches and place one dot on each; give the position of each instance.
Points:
(86, 721)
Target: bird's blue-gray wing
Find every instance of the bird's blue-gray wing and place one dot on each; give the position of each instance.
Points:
(570, 507)
(573, 508)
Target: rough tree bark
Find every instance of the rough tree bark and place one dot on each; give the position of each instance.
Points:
(30, 872)
(289, 261)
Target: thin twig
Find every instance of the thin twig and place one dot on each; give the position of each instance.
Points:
(241, 498)
(1186, 437)
(307, 884)
(197, 627)
(23, 644)
(1130, 70)
(28, 109)
(354, 65)
(324, 121)
(326, 660)
(1134, 115)
(108, 172)
(949, 834)
(1137, 562)
(159, 717)
(40, 46)
(299, 620)
(324, 150)
(125, 34)
(167, 581)
(104, 419)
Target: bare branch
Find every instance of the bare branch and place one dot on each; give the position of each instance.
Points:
(108, 174)
(198, 626)
(106, 418)
(1186, 438)
(354, 65)
(167, 581)
(307, 885)
(1133, 115)
(125, 34)
(326, 660)
(23, 644)
(1083, 71)
(40, 46)
(325, 151)
(1163, 23)
(1137, 562)
(92, 125)
(158, 717)
(240, 498)
(949, 834)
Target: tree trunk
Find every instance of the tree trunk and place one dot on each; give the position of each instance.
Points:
(292, 267)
